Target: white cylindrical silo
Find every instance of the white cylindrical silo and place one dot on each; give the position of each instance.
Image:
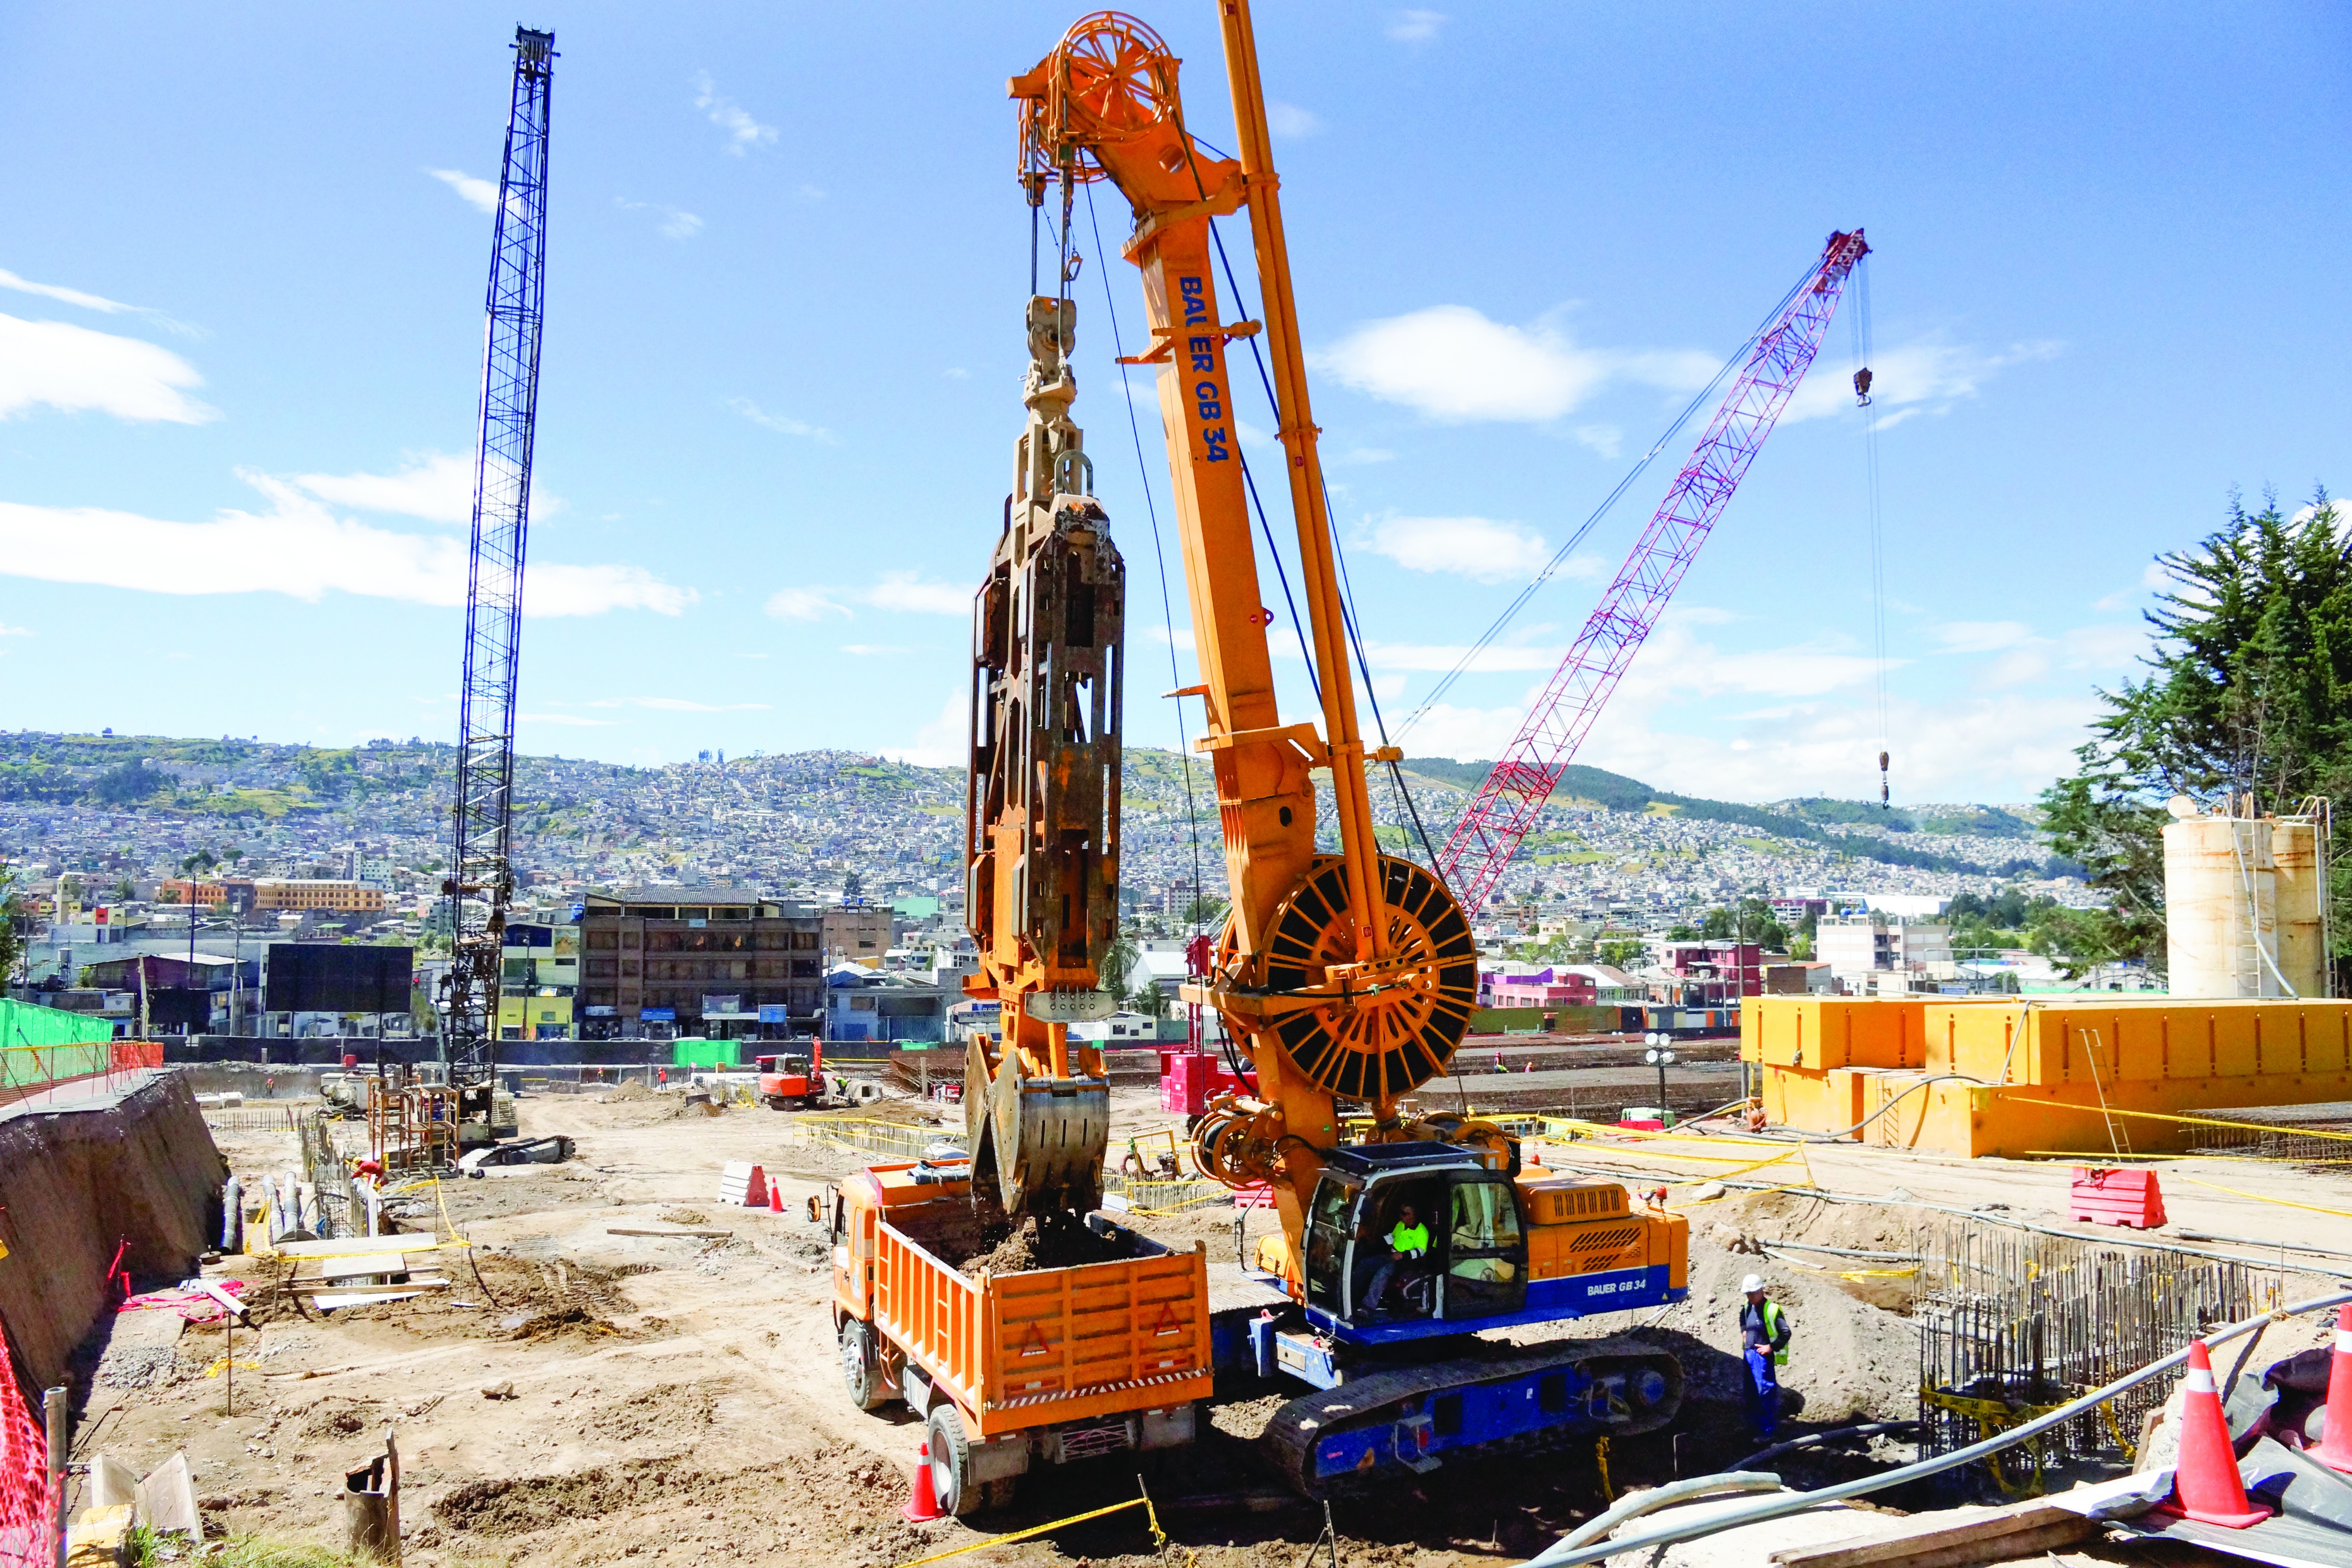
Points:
(2302, 893)
(2220, 898)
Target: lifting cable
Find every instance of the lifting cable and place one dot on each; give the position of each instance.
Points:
(1705, 395)
(1159, 564)
(1350, 622)
(1859, 321)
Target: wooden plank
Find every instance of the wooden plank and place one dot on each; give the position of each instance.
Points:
(351, 1245)
(415, 1282)
(354, 1267)
(2027, 1530)
(705, 1235)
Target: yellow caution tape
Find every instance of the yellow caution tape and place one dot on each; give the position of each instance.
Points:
(221, 1364)
(1142, 1502)
(2264, 1198)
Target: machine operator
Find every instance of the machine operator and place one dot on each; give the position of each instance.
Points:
(1408, 1242)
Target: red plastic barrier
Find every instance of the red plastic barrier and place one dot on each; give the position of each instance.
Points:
(2116, 1197)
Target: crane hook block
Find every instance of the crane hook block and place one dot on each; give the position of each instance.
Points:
(1862, 387)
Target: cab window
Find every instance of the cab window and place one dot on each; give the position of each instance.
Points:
(1327, 1240)
(1486, 1267)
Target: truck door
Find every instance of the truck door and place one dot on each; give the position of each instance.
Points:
(1486, 1248)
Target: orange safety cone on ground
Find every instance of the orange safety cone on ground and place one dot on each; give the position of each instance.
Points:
(2335, 1449)
(2205, 1484)
(775, 1198)
(923, 1505)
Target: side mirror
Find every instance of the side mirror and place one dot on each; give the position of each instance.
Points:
(816, 1208)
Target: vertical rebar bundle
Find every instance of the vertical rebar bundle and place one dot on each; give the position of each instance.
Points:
(2023, 1320)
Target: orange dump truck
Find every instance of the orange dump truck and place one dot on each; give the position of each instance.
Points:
(1010, 1369)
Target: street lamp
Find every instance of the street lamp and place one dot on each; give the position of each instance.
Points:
(1659, 1057)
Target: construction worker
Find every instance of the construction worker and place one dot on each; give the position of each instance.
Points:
(1408, 1241)
(1764, 1331)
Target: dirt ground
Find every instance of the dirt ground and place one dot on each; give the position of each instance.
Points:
(583, 1397)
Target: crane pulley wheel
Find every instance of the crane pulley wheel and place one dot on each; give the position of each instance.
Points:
(1118, 77)
(1395, 1035)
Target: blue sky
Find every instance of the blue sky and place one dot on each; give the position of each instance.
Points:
(242, 254)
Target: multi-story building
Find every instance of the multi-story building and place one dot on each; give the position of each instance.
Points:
(1880, 951)
(716, 962)
(334, 894)
(856, 933)
(538, 982)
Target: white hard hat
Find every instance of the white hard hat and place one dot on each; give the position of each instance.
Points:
(1753, 1283)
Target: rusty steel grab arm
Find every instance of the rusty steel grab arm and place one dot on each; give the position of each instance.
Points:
(1350, 976)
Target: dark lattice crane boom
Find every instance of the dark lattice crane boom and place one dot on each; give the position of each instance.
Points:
(481, 876)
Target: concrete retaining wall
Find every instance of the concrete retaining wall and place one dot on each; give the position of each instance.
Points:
(78, 1185)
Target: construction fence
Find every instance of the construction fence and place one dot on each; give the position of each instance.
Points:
(30, 1067)
(28, 1515)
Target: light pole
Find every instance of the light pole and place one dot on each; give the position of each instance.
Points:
(1659, 1057)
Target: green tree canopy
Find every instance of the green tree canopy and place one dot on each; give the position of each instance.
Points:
(2246, 699)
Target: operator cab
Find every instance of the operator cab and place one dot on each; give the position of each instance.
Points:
(1476, 1264)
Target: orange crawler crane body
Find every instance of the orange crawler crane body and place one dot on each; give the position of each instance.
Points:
(1010, 1370)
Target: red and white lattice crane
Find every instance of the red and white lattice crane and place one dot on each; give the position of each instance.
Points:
(1508, 804)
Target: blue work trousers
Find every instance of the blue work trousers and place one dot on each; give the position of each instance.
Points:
(1763, 1392)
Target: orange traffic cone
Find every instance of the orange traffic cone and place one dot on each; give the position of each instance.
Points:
(2335, 1449)
(2205, 1484)
(923, 1506)
(775, 1198)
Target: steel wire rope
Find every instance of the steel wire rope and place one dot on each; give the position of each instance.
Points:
(1349, 621)
(1559, 557)
(1859, 326)
(1167, 611)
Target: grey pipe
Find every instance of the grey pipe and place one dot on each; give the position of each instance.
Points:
(1633, 1505)
(1565, 1555)
(1861, 1430)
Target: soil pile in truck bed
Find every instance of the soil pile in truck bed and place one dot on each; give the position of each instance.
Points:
(1062, 1245)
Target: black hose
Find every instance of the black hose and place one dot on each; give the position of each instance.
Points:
(1863, 1429)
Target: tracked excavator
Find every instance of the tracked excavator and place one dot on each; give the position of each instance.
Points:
(1348, 977)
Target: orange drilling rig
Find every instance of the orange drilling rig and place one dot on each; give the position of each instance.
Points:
(1350, 976)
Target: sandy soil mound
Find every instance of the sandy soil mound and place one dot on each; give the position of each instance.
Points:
(1032, 1245)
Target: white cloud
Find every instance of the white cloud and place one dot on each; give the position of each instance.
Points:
(872, 649)
(431, 485)
(297, 548)
(744, 132)
(783, 423)
(1477, 547)
(573, 718)
(1290, 120)
(480, 195)
(944, 742)
(1438, 658)
(1451, 363)
(675, 224)
(1925, 377)
(1354, 457)
(73, 368)
(804, 605)
(1605, 440)
(2108, 603)
(2018, 666)
(1416, 26)
(956, 372)
(901, 591)
(2104, 647)
(2155, 576)
(908, 590)
(98, 302)
(8, 631)
(1982, 636)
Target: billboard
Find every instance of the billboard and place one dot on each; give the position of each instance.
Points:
(328, 977)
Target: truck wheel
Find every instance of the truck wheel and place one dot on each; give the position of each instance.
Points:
(952, 1479)
(861, 1364)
